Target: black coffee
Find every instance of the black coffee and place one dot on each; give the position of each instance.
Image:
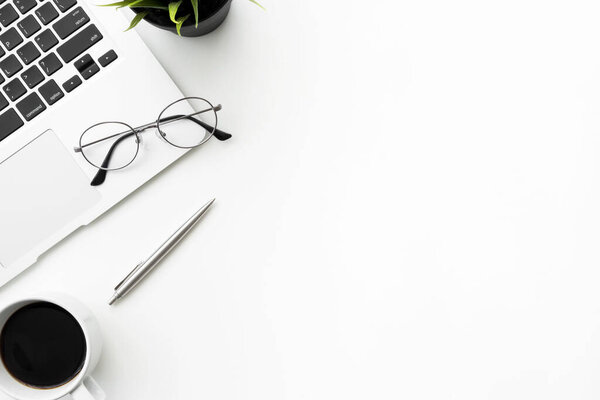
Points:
(42, 345)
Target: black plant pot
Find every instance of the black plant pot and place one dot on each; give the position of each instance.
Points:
(208, 19)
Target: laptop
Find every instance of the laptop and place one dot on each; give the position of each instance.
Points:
(65, 65)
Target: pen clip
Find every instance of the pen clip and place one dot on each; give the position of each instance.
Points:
(133, 271)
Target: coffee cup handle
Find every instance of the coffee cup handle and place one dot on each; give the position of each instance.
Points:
(88, 390)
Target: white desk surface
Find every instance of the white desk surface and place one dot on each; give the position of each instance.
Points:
(408, 210)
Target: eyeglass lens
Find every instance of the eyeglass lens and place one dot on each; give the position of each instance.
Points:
(191, 131)
(110, 145)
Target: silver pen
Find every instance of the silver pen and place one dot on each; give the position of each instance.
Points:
(143, 268)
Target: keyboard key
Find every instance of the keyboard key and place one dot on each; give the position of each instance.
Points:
(46, 40)
(8, 15)
(86, 66)
(107, 58)
(47, 13)
(51, 92)
(1, 79)
(24, 5)
(11, 39)
(72, 83)
(28, 53)
(3, 102)
(50, 64)
(71, 22)
(2, 52)
(10, 65)
(83, 62)
(29, 26)
(79, 43)
(32, 77)
(90, 71)
(14, 89)
(31, 106)
(9, 122)
(64, 5)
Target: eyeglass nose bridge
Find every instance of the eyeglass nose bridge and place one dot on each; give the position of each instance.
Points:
(142, 128)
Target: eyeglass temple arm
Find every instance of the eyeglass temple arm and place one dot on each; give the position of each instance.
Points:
(100, 176)
(219, 134)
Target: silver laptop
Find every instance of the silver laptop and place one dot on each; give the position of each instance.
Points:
(65, 65)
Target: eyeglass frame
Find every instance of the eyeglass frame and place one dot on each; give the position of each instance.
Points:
(101, 174)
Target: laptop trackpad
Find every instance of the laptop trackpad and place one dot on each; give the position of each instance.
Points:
(42, 190)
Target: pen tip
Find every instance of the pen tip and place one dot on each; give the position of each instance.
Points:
(113, 299)
(207, 205)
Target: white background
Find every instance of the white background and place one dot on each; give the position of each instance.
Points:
(408, 210)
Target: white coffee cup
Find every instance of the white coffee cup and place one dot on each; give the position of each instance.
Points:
(82, 386)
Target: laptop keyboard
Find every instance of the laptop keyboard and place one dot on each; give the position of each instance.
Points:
(38, 38)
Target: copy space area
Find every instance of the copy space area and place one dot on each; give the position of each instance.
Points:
(408, 209)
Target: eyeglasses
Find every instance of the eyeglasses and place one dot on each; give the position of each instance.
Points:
(114, 145)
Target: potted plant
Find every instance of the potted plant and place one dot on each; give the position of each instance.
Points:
(184, 17)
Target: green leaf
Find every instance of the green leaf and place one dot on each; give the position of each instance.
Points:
(138, 3)
(258, 4)
(120, 4)
(180, 22)
(195, 6)
(136, 20)
(173, 7)
(149, 4)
